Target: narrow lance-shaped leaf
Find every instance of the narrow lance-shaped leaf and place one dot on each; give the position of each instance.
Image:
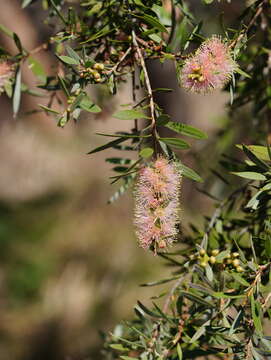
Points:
(153, 22)
(250, 175)
(87, 105)
(176, 143)
(129, 115)
(68, 60)
(258, 150)
(255, 159)
(73, 54)
(108, 145)
(189, 173)
(256, 314)
(17, 93)
(146, 152)
(186, 130)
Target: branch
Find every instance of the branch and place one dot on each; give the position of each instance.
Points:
(148, 87)
(115, 67)
(251, 23)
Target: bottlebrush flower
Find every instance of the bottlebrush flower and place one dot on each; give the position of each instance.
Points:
(210, 68)
(157, 204)
(6, 72)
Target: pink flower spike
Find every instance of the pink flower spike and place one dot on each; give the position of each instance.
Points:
(6, 72)
(210, 68)
(157, 204)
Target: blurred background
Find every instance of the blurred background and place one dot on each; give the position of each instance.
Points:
(70, 264)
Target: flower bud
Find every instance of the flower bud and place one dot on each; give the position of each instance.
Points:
(202, 252)
(235, 262)
(98, 66)
(212, 259)
(215, 252)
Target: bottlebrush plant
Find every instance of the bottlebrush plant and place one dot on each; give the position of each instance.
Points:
(219, 303)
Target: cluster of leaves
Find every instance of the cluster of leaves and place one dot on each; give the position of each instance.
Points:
(219, 306)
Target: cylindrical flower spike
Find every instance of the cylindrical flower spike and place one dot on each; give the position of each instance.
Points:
(6, 72)
(210, 68)
(157, 204)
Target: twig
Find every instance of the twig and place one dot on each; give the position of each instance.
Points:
(174, 56)
(173, 22)
(251, 23)
(134, 97)
(115, 67)
(148, 87)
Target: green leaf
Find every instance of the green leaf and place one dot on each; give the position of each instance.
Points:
(18, 42)
(241, 72)
(179, 352)
(267, 245)
(236, 322)
(153, 22)
(255, 159)
(6, 31)
(58, 12)
(189, 173)
(87, 105)
(68, 60)
(37, 69)
(208, 1)
(118, 347)
(239, 279)
(129, 115)
(256, 314)
(250, 175)
(163, 119)
(48, 109)
(128, 357)
(73, 54)
(258, 150)
(222, 255)
(221, 295)
(123, 188)
(99, 34)
(128, 136)
(107, 145)
(176, 143)
(17, 93)
(197, 299)
(25, 3)
(63, 86)
(209, 273)
(186, 130)
(147, 311)
(254, 201)
(159, 282)
(146, 152)
(199, 332)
